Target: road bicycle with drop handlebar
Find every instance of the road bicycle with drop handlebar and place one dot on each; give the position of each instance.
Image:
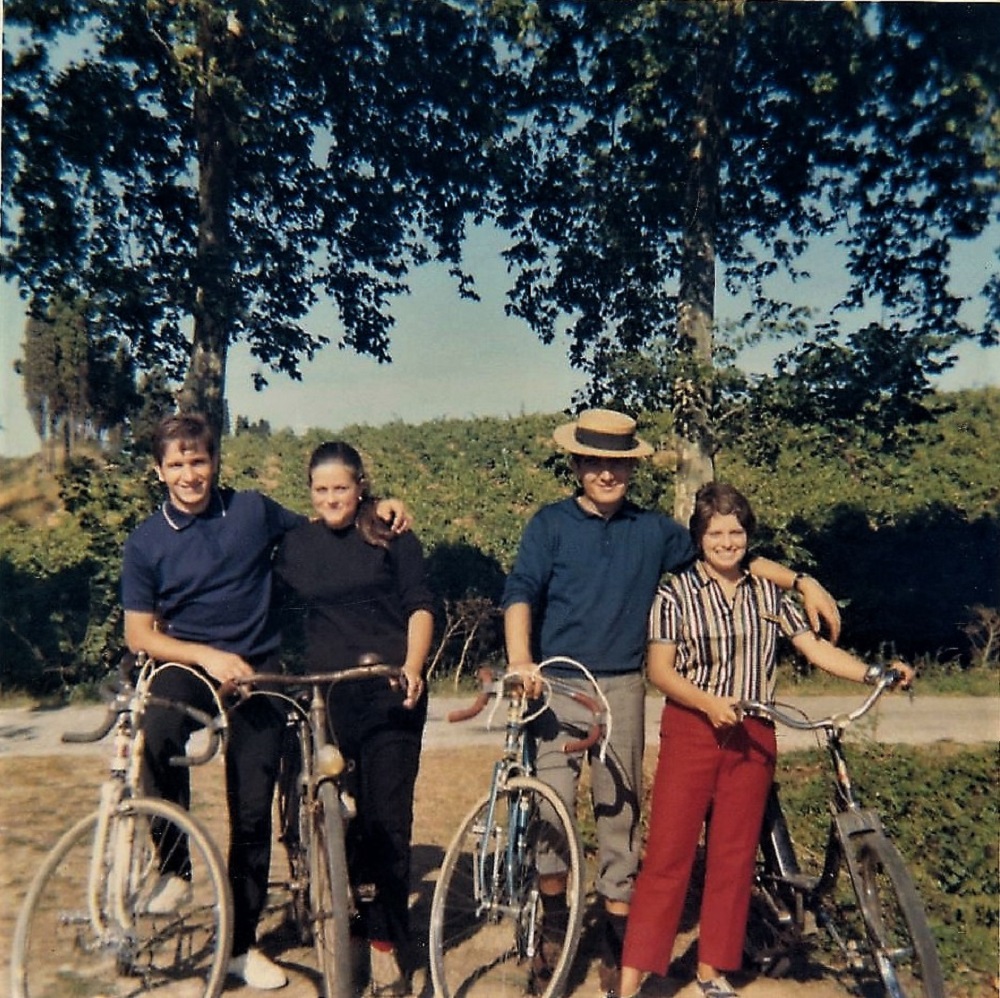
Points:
(880, 929)
(486, 915)
(134, 898)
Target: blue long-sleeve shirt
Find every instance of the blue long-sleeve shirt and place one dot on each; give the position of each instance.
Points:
(590, 581)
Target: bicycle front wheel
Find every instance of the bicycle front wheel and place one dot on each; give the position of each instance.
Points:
(330, 894)
(899, 937)
(86, 927)
(486, 918)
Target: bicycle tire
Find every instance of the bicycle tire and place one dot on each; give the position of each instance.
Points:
(483, 946)
(330, 894)
(900, 939)
(84, 927)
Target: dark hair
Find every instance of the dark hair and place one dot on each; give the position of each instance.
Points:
(373, 529)
(719, 499)
(191, 429)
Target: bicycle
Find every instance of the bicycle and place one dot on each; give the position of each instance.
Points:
(90, 923)
(884, 934)
(313, 812)
(486, 925)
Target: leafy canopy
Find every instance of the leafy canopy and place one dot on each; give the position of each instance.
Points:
(208, 170)
(668, 146)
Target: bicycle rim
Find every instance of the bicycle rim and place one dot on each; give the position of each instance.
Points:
(486, 920)
(330, 895)
(61, 949)
(900, 939)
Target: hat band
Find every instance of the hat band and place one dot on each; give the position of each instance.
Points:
(604, 441)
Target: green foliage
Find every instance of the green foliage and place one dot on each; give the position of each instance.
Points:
(910, 536)
(207, 172)
(941, 808)
(910, 543)
(60, 622)
(673, 145)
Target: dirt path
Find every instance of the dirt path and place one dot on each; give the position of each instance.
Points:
(46, 784)
(896, 719)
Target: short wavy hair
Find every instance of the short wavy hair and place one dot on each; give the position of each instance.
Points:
(191, 429)
(719, 499)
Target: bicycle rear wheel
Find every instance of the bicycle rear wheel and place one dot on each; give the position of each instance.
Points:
(900, 939)
(486, 920)
(85, 928)
(330, 894)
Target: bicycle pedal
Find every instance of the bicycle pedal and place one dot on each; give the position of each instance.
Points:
(366, 892)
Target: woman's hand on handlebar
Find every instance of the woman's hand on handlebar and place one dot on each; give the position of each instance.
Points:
(412, 681)
(905, 673)
(722, 712)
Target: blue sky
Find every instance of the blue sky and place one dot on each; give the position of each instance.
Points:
(452, 358)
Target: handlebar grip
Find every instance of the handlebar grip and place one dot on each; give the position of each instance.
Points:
(467, 713)
(215, 729)
(486, 681)
(582, 744)
(79, 737)
(116, 695)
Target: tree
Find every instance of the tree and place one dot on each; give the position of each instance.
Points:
(204, 172)
(666, 147)
(79, 384)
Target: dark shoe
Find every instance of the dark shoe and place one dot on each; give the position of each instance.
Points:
(542, 964)
(717, 987)
(610, 978)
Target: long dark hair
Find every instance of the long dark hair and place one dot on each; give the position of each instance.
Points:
(718, 498)
(374, 530)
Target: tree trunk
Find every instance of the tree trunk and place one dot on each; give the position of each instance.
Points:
(215, 305)
(692, 394)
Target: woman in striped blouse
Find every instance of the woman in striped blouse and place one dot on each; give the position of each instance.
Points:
(713, 639)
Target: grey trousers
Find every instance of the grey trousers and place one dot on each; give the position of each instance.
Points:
(615, 784)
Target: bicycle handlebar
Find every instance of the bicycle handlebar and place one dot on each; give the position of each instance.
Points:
(491, 686)
(374, 671)
(215, 727)
(835, 722)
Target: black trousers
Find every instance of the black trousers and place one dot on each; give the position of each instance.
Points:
(382, 739)
(256, 730)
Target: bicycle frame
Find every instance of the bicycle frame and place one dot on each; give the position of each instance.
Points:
(847, 819)
(91, 906)
(895, 931)
(125, 714)
(515, 760)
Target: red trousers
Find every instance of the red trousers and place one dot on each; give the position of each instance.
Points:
(728, 772)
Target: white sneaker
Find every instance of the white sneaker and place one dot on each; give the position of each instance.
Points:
(168, 895)
(257, 971)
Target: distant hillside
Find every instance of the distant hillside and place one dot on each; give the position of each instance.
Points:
(29, 494)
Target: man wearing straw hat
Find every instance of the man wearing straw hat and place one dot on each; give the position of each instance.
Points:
(582, 585)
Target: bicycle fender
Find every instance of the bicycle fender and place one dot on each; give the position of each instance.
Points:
(851, 824)
(857, 822)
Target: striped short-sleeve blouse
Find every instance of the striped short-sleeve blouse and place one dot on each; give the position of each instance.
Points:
(727, 649)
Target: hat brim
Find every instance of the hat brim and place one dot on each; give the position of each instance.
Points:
(565, 437)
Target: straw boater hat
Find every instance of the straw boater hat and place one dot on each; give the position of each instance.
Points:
(602, 433)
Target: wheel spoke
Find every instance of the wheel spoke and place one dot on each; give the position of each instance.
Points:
(486, 920)
(88, 929)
